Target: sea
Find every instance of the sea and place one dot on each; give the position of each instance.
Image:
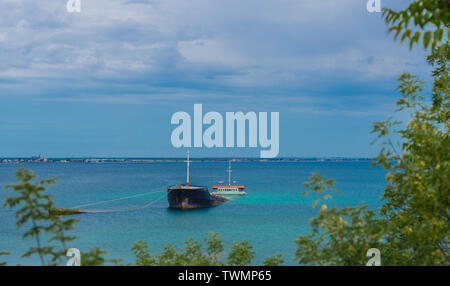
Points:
(271, 216)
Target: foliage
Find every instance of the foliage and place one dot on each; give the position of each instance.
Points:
(33, 204)
(417, 200)
(96, 257)
(439, 59)
(214, 245)
(192, 254)
(431, 18)
(412, 225)
(141, 251)
(2, 254)
(195, 254)
(64, 211)
(321, 186)
(241, 253)
(35, 211)
(339, 236)
(274, 260)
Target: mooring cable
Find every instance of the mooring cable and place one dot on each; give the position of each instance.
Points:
(118, 199)
(127, 209)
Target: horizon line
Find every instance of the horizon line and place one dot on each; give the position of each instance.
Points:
(174, 157)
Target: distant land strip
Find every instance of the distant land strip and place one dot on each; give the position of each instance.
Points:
(20, 160)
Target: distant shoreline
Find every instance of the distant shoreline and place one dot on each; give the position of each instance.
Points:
(44, 160)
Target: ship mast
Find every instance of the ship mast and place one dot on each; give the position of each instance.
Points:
(229, 173)
(187, 173)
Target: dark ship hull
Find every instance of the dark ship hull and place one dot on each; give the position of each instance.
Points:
(191, 197)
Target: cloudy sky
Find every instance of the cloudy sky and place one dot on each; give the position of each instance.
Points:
(105, 82)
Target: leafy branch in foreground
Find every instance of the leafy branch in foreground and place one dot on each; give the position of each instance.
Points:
(96, 257)
(2, 254)
(441, 80)
(322, 187)
(422, 14)
(35, 210)
(412, 226)
(241, 253)
(338, 236)
(274, 260)
(33, 205)
(194, 254)
(417, 197)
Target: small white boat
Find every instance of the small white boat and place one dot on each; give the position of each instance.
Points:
(228, 190)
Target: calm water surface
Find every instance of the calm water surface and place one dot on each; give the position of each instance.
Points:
(271, 216)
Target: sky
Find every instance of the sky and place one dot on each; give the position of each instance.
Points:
(105, 82)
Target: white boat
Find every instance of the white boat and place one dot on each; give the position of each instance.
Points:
(228, 190)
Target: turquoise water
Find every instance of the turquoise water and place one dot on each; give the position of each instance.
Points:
(271, 216)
